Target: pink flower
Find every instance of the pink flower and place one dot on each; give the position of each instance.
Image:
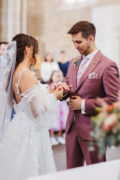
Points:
(110, 122)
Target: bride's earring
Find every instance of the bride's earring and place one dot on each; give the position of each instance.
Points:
(33, 61)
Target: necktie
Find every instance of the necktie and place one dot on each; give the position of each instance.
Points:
(82, 68)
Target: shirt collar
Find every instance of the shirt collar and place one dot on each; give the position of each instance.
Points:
(91, 55)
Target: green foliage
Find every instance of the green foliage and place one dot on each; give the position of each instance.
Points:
(106, 127)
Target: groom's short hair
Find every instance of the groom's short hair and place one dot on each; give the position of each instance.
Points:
(87, 29)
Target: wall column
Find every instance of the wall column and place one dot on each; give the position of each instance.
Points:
(13, 18)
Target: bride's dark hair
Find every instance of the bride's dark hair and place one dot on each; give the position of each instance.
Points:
(22, 41)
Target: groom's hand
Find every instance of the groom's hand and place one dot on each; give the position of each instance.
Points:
(75, 103)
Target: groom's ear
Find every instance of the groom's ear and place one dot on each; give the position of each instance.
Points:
(91, 38)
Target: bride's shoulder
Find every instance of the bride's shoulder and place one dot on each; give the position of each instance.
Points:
(25, 79)
(23, 74)
(27, 74)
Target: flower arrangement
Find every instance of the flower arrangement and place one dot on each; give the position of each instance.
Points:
(75, 63)
(106, 127)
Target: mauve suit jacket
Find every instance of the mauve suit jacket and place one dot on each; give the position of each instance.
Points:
(105, 86)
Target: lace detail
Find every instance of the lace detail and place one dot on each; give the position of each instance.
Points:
(42, 105)
(7, 63)
(26, 149)
(6, 91)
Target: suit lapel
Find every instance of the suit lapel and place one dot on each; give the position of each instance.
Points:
(74, 75)
(90, 68)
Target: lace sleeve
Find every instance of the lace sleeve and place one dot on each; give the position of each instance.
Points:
(43, 105)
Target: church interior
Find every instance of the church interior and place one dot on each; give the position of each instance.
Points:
(49, 21)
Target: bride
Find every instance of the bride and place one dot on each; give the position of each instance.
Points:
(25, 150)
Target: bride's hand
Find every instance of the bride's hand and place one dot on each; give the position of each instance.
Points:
(66, 87)
(58, 92)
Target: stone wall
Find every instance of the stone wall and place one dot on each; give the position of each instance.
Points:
(47, 20)
(58, 18)
(35, 20)
(12, 18)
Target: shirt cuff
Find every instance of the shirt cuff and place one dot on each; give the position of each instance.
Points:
(83, 106)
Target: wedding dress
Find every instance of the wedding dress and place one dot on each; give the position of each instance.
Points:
(26, 150)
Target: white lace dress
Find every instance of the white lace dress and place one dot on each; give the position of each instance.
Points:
(26, 150)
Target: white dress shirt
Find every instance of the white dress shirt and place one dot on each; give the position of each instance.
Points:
(89, 58)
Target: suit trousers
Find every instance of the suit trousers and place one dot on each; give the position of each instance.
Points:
(77, 150)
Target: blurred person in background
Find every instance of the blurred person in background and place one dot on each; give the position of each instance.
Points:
(63, 62)
(47, 67)
(3, 46)
(59, 123)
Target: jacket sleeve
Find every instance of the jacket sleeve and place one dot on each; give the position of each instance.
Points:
(111, 84)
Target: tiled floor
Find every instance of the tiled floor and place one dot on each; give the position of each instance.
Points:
(60, 156)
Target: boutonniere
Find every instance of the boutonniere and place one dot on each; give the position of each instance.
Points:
(75, 63)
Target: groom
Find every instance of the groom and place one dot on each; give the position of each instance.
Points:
(91, 75)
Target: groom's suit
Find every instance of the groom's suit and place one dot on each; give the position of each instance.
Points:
(100, 79)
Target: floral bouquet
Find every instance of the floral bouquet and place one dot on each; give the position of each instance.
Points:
(106, 127)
